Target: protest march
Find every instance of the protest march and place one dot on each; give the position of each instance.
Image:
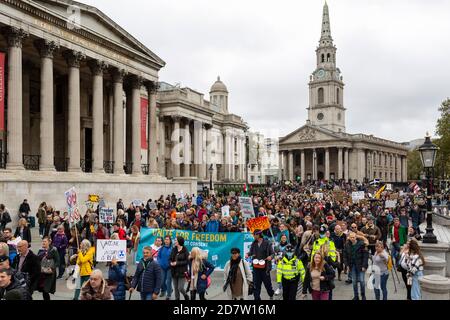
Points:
(293, 241)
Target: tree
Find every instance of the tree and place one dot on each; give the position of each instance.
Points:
(443, 142)
(414, 165)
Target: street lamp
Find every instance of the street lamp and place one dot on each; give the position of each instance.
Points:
(211, 169)
(428, 153)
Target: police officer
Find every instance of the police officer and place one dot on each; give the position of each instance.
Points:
(290, 270)
(261, 253)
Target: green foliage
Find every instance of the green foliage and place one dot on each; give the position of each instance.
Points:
(442, 167)
(414, 165)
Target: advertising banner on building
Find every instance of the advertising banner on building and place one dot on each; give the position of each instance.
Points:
(144, 110)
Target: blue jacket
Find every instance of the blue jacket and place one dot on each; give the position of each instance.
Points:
(118, 274)
(212, 226)
(164, 257)
(199, 200)
(206, 269)
(147, 279)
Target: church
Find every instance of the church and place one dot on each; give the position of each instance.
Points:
(322, 149)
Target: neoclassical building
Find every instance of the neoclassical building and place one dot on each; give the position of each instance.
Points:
(196, 135)
(322, 149)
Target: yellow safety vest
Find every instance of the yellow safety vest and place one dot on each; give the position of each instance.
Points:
(289, 269)
(319, 243)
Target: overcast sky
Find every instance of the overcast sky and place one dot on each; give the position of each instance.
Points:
(394, 56)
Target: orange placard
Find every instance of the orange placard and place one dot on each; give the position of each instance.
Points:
(261, 223)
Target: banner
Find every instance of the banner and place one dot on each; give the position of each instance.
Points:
(390, 203)
(106, 250)
(72, 206)
(261, 223)
(2, 94)
(144, 110)
(217, 245)
(225, 211)
(106, 215)
(246, 205)
(356, 196)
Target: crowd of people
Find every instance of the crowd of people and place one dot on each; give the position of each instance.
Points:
(316, 232)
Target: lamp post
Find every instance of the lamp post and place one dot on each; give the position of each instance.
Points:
(428, 153)
(211, 169)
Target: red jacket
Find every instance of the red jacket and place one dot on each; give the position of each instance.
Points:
(201, 213)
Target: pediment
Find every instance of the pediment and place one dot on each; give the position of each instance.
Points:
(309, 133)
(96, 22)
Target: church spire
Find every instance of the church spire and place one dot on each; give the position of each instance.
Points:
(325, 38)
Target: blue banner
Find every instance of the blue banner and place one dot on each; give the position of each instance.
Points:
(217, 245)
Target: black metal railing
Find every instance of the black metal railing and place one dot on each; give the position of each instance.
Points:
(128, 167)
(31, 162)
(3, 157)
(86, 165)
(145, 168)
(108, 166)
(61, 164)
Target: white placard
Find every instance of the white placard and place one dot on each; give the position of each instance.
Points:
(358, 195)
(137, 202)
(318, 195)
(106, 215)
(390, 204)
(109, 249)
(401, 194)
(152, 206)
(246, 205)
(225, 211)
(389, 187)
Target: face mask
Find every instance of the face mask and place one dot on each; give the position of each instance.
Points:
(322, 236)
(289, 254)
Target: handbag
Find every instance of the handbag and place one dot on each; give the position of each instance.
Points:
(47, 265)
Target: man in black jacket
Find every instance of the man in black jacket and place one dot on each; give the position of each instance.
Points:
(261, 250)
(10, 288)
(27, 262)
(356, 256)
(18, 276)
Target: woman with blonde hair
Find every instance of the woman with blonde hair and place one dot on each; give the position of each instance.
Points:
(319, 278)
(85, 261)
(23, 231)
(199, 269)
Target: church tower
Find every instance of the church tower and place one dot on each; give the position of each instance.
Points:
(326, 89)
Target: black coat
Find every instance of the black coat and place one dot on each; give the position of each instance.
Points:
(361, 258)
(325, 285)
(47, 282)
(14, 287)
(26, 234)
(182, 260)
(25, 208)
(31, 266)
(147, 280)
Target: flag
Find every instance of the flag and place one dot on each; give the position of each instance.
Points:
(378, 193)
(416, 189)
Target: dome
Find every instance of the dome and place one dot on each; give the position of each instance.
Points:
(219, 86)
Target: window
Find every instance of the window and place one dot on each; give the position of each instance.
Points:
(323, 58)
(321, 95)
(320, 116)
(328, 57)
(338, 97)
(320, 157)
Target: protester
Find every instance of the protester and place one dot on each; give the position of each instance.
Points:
(147, 279)
(24, 209)
(85, 261)
(356, 257)
(166, 276)
(23, 231)
(179, 259)
(27, 262)
(60, 242)
(42, 217)
(381, 271)
(117, 278)
(319, 278)
(261, 253)
(9, 286)
(156, 246)
(49, 260)
(237, 277)
(95, 288)
(5, 217)
(199, 269)
(372, 233)
(413, 262)
(290, 271)
(339, 239)
(399, 237)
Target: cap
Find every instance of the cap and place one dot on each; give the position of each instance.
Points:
(323, 229)
(3, 258)
(289, 248)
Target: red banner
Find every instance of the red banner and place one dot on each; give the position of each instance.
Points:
(2, 93)
(261, 223)
(144, 109)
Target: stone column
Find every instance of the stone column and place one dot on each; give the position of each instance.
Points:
(327, 164)
(280, 165)
(340, 175)
(291, 165)
(303, 165)
(202, 139)
(73, 61)
(314, 157)
(15, 37)
(175, 155)
(26, 121)
(208, 149)
(162, 147)
(226, 155)
(398, 170)
(152, 145)
(187, 148)
(136, 85)
(97, 69)
(404, 169)
(118, 133)
(346, 165)
(46, 49)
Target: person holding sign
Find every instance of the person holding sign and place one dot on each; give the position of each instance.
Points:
(85, 261)
(261, 252)
(147, 279)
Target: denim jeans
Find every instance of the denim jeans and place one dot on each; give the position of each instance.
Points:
(41, 229)
(146, 295)
(416, 294)
(358, 276)
(383, 287)
(395, 251)
(166, 283)
(83, 279)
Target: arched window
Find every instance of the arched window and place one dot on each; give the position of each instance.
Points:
(328, 57)
(323, 58)
(320, 95)
(338, 97)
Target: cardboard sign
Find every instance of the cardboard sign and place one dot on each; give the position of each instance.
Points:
(152, 206)
(106, 215)
(89, 204)
(137, 203)
(261, 223)
(246, 205)
(338, 195)
(393, 196)
(225, 211)
(109, 249)
(94, 198)
(102, 203)
(389, 187)
(357, 196)
(390, 204)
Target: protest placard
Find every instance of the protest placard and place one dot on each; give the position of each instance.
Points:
(393, 196)
(109, 249)
(357, 196)
(137, 202)
(261, 223)
(72, 205)
(338, 195)
(389, 187)
(246, 205)
(89, 205)
(94, 198)
(225, 211)
(106, 215)
(390, 204)
(318, 195)
(152, 206)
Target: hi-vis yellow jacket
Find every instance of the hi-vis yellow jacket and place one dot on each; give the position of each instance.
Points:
(289, 269)
(324, 241)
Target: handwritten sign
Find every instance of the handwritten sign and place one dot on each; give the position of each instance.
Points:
(261, 223)
(318, 195)
(106, 215)
(390, 204)
(137, 203)
(72, 205)
(357, 196)
(246, 205)
(225, 211)
(152, 206)
(338, 195)
(89, 204)
(109, 249)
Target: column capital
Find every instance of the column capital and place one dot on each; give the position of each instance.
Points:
(97, 67)
(152, 86)
(46, 47)
(118, 74)
(160, 116)
(74, 58)
(176, 118)
(187, 120)
(15, 36)
(136, 81)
